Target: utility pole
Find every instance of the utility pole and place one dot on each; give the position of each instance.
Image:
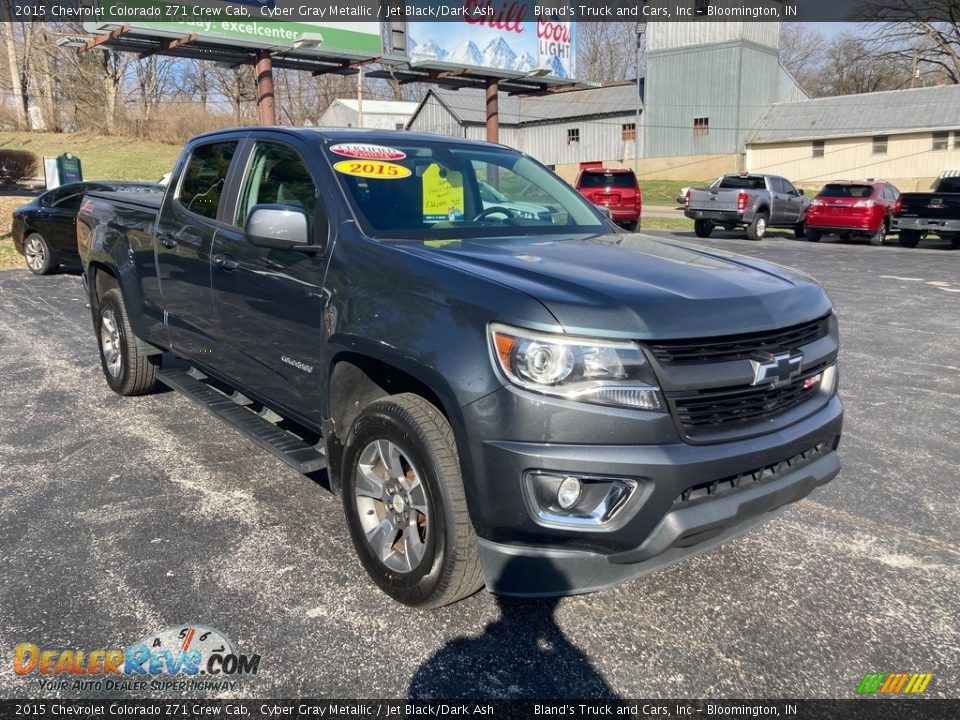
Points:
(493, 111)
(360, 96)
(641, 29)
(265, 100)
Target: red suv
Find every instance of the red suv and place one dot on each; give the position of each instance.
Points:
(864, 208)
(615, 189)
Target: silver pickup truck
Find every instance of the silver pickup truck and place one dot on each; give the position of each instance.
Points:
(756, 202)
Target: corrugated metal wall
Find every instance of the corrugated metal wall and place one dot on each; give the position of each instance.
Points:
(600, 138)
(731, 84)
(675, 35)
(435, 118)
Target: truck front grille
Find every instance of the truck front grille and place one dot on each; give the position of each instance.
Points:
(702, 413)
(737, 347)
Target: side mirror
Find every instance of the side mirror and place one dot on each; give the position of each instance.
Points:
(800, 191)
(605, 211)
(280, 227)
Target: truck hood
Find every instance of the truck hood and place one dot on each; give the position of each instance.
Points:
(638, 286)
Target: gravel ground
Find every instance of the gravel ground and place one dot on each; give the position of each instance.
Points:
(124, 516)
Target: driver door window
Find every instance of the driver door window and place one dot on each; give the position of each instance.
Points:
(276, 175)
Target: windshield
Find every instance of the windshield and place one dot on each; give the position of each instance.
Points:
(435, 190)
(846, 191)
(605, 180)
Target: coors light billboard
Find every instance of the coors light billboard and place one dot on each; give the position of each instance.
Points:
(492, 35)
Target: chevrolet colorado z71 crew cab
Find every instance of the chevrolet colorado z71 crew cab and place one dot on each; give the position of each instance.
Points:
(756, 202)
(539, 402)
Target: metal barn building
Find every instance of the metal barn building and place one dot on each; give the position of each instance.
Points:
(377, 114)
(563, 130)
(706, 85)
(907, 137)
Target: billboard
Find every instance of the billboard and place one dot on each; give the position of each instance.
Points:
(238, 23)
(507, 49)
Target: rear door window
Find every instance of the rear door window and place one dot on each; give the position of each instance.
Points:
(204, 178)
(753, 182)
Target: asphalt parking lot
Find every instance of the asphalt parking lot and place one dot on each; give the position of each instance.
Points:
(124, 516)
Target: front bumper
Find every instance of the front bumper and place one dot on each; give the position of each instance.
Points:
(674, 518)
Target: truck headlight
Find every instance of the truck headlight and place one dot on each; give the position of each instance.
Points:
(594, 371)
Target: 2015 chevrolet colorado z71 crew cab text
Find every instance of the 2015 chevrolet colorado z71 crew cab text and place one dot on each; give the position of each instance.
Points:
(510, 398)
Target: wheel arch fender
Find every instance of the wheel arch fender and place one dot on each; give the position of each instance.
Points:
(363, 373)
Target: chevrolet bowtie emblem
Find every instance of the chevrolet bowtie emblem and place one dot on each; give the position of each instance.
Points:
(779, 370)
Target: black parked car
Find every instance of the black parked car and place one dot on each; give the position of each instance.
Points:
(45, 230)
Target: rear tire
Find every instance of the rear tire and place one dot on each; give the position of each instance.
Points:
(39, 256)
(632, 226)
(880, 235)
(909, 238)
(954, 240)
(703, 228)
(405, 505)
(127, 364)
(758, 228)
(812, 235)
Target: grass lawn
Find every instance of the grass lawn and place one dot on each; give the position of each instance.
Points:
(664, 192)
(659, 223)
(103, 158)
(8, 256)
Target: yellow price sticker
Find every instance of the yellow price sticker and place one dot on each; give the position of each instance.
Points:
(374, 169)
(442, 194)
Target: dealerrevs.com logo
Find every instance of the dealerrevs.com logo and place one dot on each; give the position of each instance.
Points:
(181, 657)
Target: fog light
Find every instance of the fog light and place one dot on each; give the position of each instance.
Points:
(569, 492)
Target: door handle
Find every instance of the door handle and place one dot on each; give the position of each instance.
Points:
(168, 240)
(224, 262)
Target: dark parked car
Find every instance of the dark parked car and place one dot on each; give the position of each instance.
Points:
(919, 214)
(517, 401)
(852, 209)
(45, 229)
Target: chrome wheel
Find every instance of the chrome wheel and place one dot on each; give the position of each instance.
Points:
(761, 227)
(35, 252)
(392, 506)
(110, 342)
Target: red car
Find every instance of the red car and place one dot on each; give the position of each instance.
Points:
(615, 189)
(864, 208)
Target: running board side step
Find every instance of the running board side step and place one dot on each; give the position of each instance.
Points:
(259, 426)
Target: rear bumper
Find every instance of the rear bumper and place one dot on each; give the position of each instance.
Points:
(524, 556)
(926, 225)
(731, 217)
(842, 224)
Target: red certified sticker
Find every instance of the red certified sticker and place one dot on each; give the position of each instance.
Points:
(365, 151)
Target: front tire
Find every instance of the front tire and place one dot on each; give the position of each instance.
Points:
(909, 238)
(126, 362)
(799, 231)
(39, 256)
(703, 228)
(405, 506)
(758, 228)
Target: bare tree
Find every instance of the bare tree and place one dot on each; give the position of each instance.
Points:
(606, 51)
(802, 54)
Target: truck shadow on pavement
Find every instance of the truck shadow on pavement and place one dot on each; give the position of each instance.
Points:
(523, 654)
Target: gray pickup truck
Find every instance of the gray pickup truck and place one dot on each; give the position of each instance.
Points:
(534, 401)
(756, 202)
(918, 214)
